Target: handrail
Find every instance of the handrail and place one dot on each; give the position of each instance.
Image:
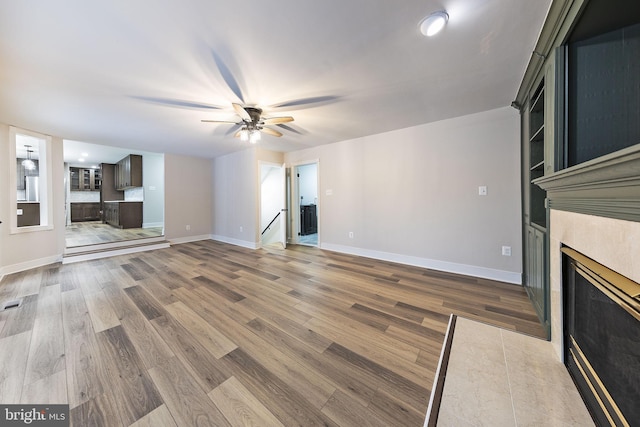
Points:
(272, 221)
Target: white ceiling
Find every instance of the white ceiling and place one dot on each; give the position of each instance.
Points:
(141, 74)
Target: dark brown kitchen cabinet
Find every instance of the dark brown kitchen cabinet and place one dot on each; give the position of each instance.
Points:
(85, 179)
(128, 173)
(85, 211)
(28, 214)
(21, 173)
(308, 220)
(123, 214)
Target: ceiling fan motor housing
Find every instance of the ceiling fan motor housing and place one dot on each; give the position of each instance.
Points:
(254, 113)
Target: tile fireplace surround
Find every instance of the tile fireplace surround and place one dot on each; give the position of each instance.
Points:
(611, 242)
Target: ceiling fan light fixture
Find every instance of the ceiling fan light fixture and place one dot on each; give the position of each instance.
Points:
(434, 23)
(254, 136)
(244, 135)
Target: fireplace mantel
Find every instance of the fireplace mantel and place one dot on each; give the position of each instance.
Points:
(608, 186)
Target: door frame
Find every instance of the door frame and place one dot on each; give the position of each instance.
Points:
(294, 220)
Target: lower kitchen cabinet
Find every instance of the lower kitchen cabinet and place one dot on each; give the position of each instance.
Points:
(29, 214)
(85, 211)
(123, 214)
(308, 220)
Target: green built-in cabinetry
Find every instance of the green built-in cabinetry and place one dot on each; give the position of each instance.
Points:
(536, 138)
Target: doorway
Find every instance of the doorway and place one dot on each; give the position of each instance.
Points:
(97, 211)
(306, 203)
(273, 229)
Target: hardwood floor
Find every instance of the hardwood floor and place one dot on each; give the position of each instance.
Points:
(95, 232)
(207, 333)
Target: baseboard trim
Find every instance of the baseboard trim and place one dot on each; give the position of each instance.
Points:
(187, 239)
(449, 267)
(152, 224)
(27, 265)
(232, 241)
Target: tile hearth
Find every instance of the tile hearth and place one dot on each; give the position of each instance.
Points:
(497, 377)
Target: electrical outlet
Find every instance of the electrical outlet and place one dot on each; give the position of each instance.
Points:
(351, 234)
(188, 227)
(482, 190)
(506, 250)
(241, 228)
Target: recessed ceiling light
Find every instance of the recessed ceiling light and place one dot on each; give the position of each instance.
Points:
(434, 23)
(81, 159)
(85, 154)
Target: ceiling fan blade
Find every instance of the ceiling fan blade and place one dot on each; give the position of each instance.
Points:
(170, 102)
(290, 129)
(271, 132)
(315, 101)
(277, 120)
(218, 121)
(242, 112)
(233, 130)
(228, 76)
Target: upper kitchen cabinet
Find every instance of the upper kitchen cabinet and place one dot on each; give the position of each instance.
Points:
(128, 173)
(85, 179)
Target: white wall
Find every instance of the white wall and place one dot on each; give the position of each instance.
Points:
(235, 185)
(308, 184)
(411, 195)
(187, 197)
(153, 183)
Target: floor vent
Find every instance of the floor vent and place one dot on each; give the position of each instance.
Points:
(11, 304)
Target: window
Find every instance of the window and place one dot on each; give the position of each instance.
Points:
(31, 182)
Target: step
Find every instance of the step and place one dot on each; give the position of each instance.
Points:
(106, 250)
(112, 245)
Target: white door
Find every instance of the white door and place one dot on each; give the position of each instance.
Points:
(283, 206)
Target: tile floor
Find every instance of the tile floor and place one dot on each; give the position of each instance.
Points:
(497, 378)
(309, 239)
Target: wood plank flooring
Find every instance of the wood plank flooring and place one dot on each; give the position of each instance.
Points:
(207, 333)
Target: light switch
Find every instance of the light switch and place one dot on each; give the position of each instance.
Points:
(329, 192)
(482, 190)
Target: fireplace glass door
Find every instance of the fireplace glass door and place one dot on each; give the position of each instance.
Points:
(602, 339)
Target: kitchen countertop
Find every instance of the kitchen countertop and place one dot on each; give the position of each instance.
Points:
(26, 201)
(123, 201)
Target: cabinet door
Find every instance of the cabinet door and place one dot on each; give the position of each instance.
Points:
(116, 175)
(74, 174)
(127, 171)
(94, 179)
(536, 270)
(20, 174)
(76, 212)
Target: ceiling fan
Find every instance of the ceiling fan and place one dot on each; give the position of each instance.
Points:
(252, 123)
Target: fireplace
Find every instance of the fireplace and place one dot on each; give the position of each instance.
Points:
(602, 338)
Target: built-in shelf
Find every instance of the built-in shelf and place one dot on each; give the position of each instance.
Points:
(538, 166)
(538, 136)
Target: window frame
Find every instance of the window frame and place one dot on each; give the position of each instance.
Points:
(45, 165)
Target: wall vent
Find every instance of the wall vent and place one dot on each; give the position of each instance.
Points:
(7, 305)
